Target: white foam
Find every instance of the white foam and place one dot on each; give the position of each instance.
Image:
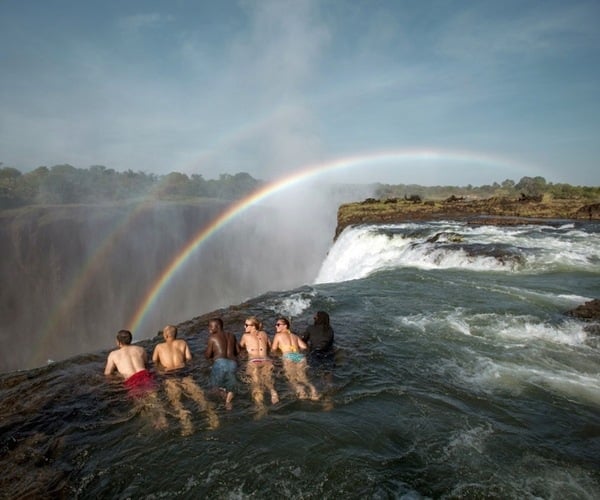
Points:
(468, 439)
(515, 378)
(528, 330)
(360, 251)
(294, 305)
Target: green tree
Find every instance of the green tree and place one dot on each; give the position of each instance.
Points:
(9, 192)
(174, 185)
(532, 186)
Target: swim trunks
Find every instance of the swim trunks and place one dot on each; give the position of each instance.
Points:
(140, 383)
(294, 357)
(223, 374)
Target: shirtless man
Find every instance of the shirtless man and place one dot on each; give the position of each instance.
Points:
(223, 348)
(260, 366)
(130, 362)
(172, 355)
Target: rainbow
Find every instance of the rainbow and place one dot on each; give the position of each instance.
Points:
(92, 267)
(308, 172)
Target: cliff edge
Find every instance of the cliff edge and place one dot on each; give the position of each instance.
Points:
(500, 211)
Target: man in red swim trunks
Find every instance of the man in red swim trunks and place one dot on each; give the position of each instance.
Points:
(130, 361)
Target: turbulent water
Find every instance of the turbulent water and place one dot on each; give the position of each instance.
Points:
(457, 375)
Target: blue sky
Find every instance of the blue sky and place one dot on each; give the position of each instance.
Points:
(269, 87)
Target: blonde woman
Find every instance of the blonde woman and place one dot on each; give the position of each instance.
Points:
(294, 361)
(260, 366)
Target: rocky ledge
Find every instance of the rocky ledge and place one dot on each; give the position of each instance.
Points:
(588, 311)
(498, 211)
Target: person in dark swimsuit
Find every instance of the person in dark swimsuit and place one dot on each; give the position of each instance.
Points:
(319, 336)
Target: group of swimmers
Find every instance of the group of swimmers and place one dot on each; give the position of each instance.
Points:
(173, 355)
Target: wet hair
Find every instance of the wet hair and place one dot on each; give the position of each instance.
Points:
(254, 321)
(284, 320)
(218, 321)
(124, 337)
(322, 318)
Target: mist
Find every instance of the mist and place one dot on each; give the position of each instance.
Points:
(61, 296)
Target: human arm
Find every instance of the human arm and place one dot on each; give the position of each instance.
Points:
(302, 345)
(275, 344)
(208, 352)
(110, 364)
(267, 342)
(187, 352)
(306, 336)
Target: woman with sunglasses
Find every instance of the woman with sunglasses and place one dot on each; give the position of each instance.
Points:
(260, 366)
(294, 361)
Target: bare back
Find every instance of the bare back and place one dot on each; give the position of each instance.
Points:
(288, 342)
(172, 354)
(127, 360)
(257, 344)
(222, 345)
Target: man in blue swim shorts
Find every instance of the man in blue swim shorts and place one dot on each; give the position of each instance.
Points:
(222, 347)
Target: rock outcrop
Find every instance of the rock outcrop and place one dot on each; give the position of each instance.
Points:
(588, 311)
(497, 210)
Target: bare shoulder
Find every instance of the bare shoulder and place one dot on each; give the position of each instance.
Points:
(138, 348)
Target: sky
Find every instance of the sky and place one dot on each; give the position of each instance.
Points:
(270, 87)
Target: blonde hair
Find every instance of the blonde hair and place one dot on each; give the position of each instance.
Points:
(254, 321)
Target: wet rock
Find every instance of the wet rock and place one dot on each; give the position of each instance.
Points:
(446, 237)
(589, 311)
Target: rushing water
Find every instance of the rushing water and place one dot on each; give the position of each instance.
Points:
(457, 376)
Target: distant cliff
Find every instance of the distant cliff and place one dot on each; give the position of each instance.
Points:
(73, 274)
(492, 210)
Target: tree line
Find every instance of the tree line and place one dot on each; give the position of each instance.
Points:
(65, 184)
(531, 187)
